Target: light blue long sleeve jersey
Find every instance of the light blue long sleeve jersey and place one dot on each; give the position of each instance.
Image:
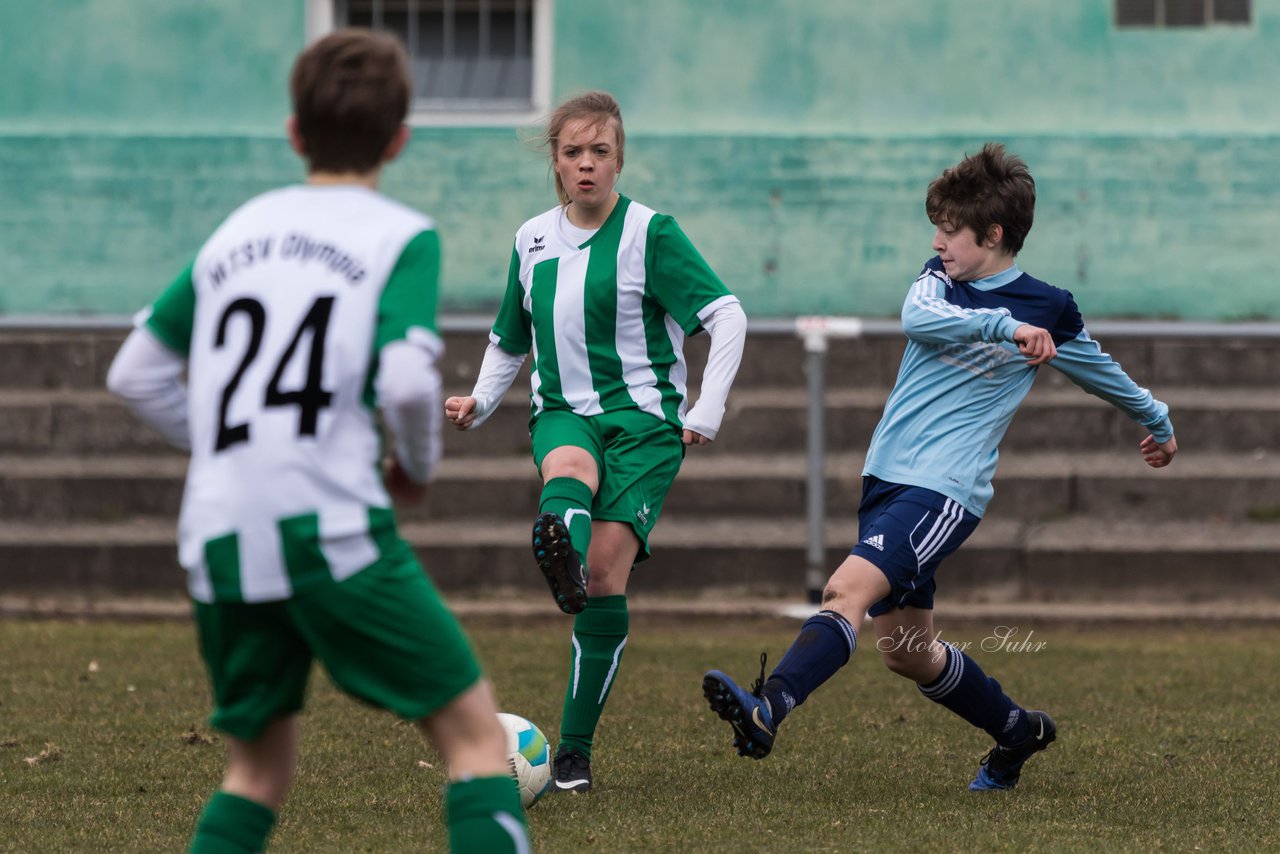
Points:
(962, 379)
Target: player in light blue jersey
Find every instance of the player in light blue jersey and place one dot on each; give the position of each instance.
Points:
(978, 328)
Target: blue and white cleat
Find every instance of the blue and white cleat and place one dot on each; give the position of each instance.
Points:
(747, 712)
(565, 574)
(1002, 766)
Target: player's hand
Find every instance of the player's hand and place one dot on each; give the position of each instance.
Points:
(693, 438)
(460, 411)
(1034, 343)
(400, 486)
(1158, 454)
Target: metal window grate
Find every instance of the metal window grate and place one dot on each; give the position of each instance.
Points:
(1231, 11)
(1181, 13)
(465, 54)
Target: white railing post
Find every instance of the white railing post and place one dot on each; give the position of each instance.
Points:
(815, 331)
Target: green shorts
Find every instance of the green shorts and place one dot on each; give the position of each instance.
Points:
(637, 456)
(384, 635)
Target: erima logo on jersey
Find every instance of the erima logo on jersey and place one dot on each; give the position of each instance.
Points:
(537, 244)
(876, 541)
(643, 514)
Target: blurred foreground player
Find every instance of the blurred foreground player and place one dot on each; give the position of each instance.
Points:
(308, 308)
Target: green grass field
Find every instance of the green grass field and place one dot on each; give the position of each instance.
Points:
(1168, 739)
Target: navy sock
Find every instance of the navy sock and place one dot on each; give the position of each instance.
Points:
(973, 695)
(824, 645)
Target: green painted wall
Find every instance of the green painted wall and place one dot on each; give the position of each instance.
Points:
(793, 140)
(919, 67)
(146, 66)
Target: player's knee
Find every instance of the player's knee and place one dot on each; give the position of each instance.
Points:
(897, 663)
(853, 587)
(468, 734)
(483, 749)
(606, 578)
(579, 470)
(909, 664)
(834, 591)
(613, 551)
(489, 736)
(841, 594)
(573, 463)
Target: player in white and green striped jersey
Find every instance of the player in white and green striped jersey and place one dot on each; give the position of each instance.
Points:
(603, 291)
(308, 309)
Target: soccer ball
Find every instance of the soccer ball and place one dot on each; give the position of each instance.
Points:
(529, 755)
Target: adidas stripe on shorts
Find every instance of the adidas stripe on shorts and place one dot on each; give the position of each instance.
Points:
(907, 531)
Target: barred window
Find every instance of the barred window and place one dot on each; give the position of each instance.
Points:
(468, 56)
(1182, 13)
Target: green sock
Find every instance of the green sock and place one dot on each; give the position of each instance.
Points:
(599, 634)
(484, 815)
(231, 824)
(564, 496)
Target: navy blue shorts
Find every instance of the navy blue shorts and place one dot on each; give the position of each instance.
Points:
(906, 531)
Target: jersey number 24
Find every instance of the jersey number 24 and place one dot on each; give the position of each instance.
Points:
(309, 399)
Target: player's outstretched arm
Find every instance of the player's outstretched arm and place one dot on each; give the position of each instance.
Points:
(1158, 454)
(1083, 362)
(460, 411)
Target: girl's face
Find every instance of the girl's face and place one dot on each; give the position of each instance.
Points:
(588, 162)
(964, 257)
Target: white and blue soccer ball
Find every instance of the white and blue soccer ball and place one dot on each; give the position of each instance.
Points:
(529, 756)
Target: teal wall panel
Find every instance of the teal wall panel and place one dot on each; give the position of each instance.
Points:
(793, 140)
(112, 66)
(101, 224)
(835, 225)
(918, 67)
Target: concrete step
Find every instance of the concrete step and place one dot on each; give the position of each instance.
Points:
(1029, 486)
(1076, 560)
(1051, 419)
(79, 358)
(1207, 419)
(89, 496)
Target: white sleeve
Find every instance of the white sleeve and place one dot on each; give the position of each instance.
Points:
(497, 372)
(726, 323)
(408, 389)
(148, 377)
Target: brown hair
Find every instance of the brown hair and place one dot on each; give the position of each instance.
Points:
(985, 189)
(350, 94)
(597, 105)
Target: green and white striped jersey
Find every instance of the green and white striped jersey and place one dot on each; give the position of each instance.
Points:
(281, 317)
(605, 313)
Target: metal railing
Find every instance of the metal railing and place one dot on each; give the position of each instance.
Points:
(815, 331)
